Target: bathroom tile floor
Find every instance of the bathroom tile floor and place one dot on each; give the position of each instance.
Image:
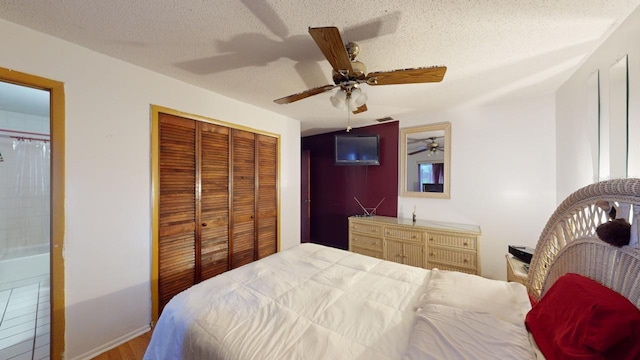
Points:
(24, 322)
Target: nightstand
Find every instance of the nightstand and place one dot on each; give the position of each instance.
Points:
(516, 270)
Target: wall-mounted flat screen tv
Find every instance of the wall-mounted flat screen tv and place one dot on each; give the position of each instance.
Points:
(357, 149)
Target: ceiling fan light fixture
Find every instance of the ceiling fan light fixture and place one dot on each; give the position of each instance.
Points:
(338, 100)
(357, 99)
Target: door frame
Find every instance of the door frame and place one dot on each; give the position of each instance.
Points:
(305, 198)
(57, 137)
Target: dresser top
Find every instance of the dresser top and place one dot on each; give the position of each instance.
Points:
(427, 224)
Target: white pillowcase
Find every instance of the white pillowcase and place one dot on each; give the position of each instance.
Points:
(443, 332)
(508, 301)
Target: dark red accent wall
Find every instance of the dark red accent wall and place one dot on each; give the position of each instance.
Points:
(333, 187)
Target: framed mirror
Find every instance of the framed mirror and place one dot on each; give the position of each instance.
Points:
(425, 163)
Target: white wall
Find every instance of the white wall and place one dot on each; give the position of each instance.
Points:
(574, 163)
(108, 235)
(502, 175)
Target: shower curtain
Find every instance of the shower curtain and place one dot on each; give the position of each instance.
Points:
(32, 177)
(24, 189)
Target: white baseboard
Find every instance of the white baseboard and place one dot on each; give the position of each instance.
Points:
(113, 344)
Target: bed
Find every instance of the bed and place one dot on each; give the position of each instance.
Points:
(316, 302)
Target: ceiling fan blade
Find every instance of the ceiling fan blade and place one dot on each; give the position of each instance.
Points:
(330, 43)
(304, 94)
(430, 138)
(360, 109)
(417, 152)
(407, 76)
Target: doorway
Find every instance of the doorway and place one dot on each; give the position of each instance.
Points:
(32, 220)
(305, 189)
(25, 155)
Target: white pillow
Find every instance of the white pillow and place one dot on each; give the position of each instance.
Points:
(508, 301)
(443, 332)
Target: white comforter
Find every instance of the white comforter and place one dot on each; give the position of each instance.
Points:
(308, 302)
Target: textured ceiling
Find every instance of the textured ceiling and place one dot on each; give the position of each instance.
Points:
(256, 51)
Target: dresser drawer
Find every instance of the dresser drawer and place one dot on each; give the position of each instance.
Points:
(452, 240)
(363, 228)
(452, 257)
(366, 241)
(368, 252)
(404, 252)
(404, 234)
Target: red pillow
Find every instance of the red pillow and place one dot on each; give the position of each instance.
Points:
(579, 318)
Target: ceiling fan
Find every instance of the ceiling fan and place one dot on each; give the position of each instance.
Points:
(432, 146)
(349, 74)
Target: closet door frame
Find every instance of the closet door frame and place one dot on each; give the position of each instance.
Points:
(155, 189)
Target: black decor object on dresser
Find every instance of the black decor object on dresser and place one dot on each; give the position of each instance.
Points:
(524, 253)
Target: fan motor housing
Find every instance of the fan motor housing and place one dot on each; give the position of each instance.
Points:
(353, 50)
(359, 73)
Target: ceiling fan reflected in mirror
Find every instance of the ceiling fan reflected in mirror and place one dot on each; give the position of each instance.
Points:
(430, 145)
(350, 74)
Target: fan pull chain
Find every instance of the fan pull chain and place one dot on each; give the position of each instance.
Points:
(348, 111)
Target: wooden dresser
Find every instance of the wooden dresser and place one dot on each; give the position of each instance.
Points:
(427, 244)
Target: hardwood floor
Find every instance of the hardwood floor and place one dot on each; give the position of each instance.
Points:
(131, 350)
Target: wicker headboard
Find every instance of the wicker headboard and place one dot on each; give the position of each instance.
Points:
(569, 243)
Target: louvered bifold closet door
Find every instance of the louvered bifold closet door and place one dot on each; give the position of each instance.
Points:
(177, 218)
(267, 204)
(214, 200)
(243, 195)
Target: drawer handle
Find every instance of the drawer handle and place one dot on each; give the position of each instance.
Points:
(466, 261)
(430, 239)
(414, 237)
(375, 244)
(465, 244)
(431, 254)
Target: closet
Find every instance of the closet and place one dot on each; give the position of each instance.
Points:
(217, 202)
